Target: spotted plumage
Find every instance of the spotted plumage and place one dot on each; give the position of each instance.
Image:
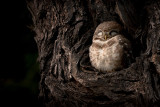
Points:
(110, 49)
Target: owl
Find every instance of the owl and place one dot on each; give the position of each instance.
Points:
(110, 50)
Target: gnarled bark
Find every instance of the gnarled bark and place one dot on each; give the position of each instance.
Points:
(64, 31)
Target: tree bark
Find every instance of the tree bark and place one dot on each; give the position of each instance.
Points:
(64, 30)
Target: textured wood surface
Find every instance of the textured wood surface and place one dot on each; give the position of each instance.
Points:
(64, 31)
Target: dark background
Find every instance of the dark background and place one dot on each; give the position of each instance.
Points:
(19, 74)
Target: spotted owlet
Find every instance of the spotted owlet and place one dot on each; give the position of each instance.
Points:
(110, 50)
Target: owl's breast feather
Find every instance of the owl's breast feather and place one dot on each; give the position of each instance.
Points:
(108, 57)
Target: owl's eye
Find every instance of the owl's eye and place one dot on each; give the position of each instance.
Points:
(113, 33)
(100, 34)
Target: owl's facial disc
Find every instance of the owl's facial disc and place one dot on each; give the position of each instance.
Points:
(104, 34)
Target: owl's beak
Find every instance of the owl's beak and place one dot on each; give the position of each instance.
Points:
(105, 37)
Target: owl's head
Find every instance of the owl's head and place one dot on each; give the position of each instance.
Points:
(106, 30)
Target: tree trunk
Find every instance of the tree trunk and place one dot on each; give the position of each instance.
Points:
(64, 30)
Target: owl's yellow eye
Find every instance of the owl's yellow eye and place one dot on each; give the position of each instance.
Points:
(113, 33)
(100, 34)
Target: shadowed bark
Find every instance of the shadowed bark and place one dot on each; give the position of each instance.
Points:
(64, 30)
